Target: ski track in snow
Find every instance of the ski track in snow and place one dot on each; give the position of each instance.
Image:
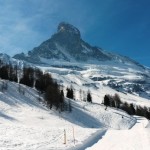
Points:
(137, 138)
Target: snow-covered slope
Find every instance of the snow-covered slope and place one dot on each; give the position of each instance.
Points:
(25, 123)
(96, 78)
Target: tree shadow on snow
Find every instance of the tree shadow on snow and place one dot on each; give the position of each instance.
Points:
(13, 98)
(7, 117)
(81, 118)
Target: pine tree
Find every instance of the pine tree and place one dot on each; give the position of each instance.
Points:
(70, 93)
(106, 101)
(132, 109)
(126, 107)
(28, 77)
(4, 72)
(50, 95)
(117, 100)
(89, 97)
(61, 100)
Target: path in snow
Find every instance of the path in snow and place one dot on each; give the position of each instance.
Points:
(137, 138)
(90, 141)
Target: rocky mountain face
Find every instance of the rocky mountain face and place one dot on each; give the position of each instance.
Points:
(66, 44)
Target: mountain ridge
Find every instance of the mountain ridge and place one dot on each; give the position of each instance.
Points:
(67, 43)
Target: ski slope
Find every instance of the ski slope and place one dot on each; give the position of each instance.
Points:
(137, 138)
(25, 123)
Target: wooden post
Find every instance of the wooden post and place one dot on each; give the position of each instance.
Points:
(64, 136)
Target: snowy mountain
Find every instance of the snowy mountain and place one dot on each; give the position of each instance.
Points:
(67, 45)
(66, 54)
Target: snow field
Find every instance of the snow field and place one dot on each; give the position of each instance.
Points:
(19, 137)
(25, 123)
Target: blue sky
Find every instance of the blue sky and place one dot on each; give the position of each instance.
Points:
(121, 26)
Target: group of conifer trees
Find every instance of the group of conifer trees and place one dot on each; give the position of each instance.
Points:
(70, 94)
(8, 72)
(43, 82)
(115, 101)
(35, 78)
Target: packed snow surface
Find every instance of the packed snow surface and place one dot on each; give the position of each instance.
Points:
(137, 138)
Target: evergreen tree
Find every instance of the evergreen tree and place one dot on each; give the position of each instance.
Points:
(89, 97)
(28, 77)
(112, 102)
(132, 109)
(4, 72)
(43, 81)
(70, 93)
(138, 111)
(61, 100)
(106, 101)
(117, 100)
(126, 107)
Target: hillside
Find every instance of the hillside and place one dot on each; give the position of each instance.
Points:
(81, 78)
(26, 124)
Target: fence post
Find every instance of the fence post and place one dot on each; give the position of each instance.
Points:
(64, 136)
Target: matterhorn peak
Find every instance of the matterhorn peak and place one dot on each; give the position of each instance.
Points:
(67, 45)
